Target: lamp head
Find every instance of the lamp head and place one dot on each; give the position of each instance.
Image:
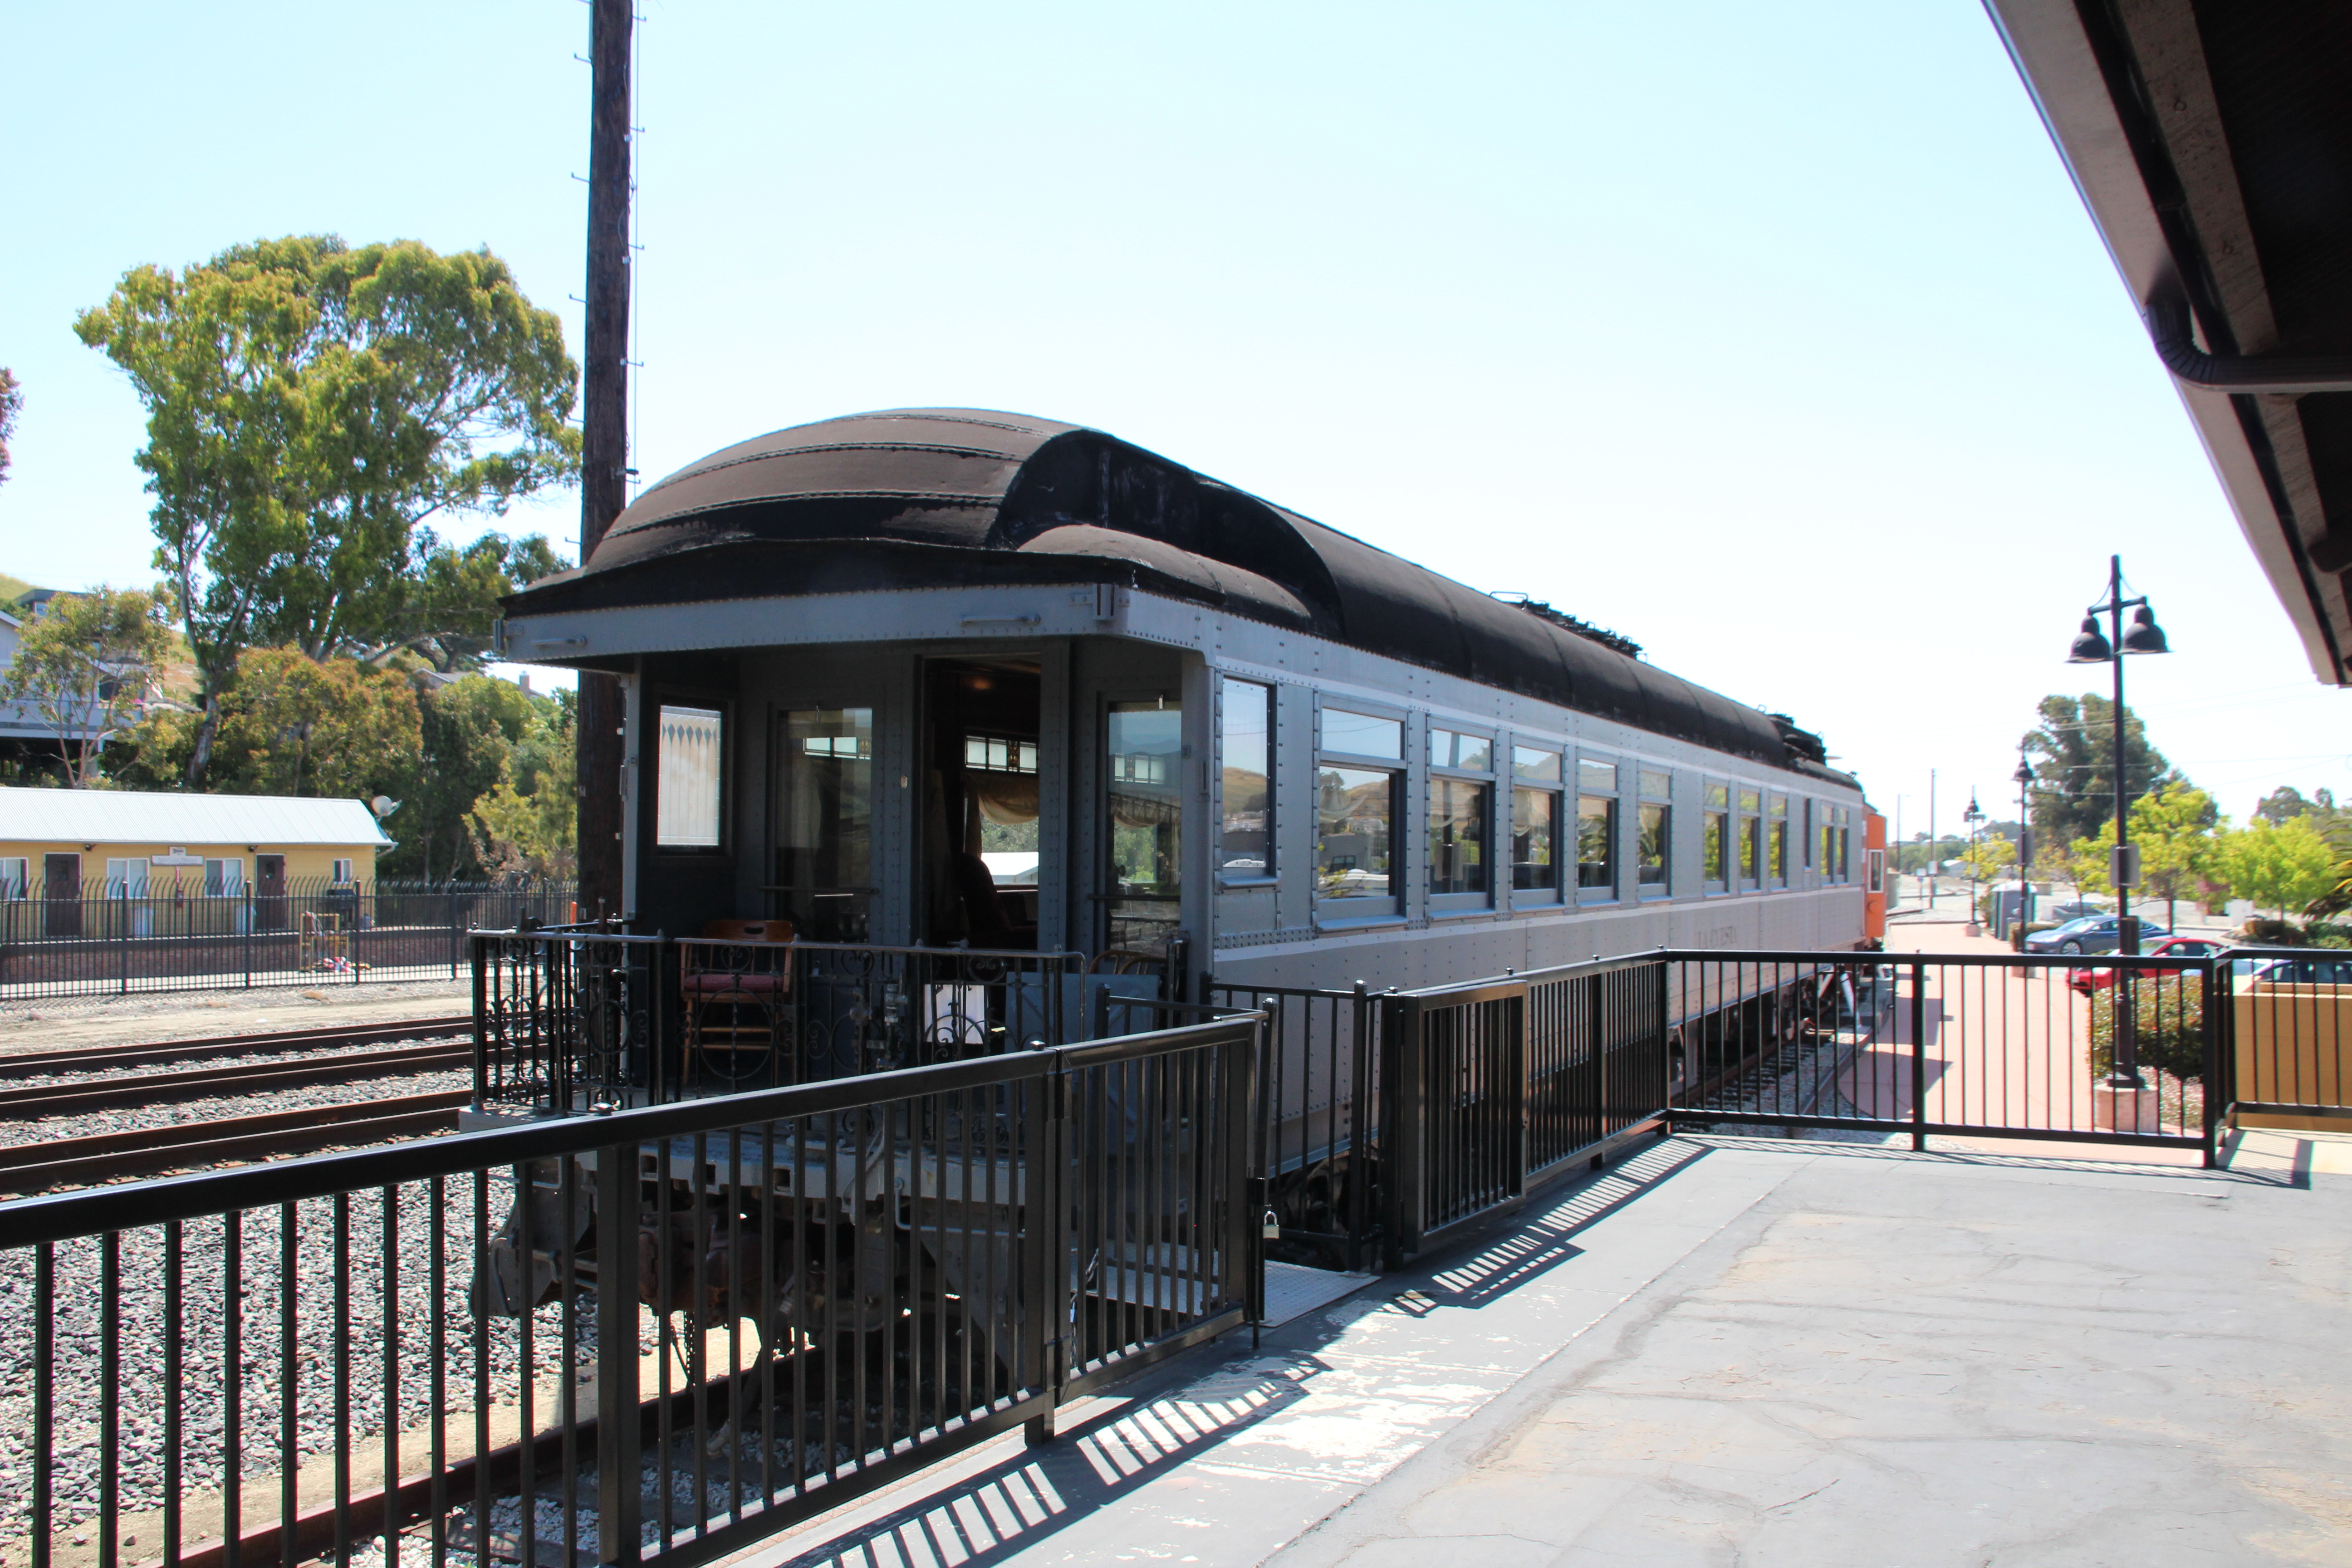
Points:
(2091, 645)
(2145, 636)
(2024, 774)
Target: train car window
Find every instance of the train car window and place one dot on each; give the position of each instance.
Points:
(1805, 838)
(687, 789)
(1461, 819)
(1845, 846)
(1714, 852)
(1778, 846)
(1751, 838)
(1596, 830)
(1596, 845)
(1453, 749)
(1655, 838)
(1363, 734)
(1536, 766)
(1877, 871)
(1653, 847)
(1245, 766)
(1458, 813)
(1355, 836)
(1534, 841)
(822, 829)
(998, 754)
(1145, 742)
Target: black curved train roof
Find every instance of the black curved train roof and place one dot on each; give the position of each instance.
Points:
(955, 497)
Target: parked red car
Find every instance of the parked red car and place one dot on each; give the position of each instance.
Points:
(2089, 980)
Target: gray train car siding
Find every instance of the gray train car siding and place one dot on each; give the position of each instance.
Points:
(754, 657)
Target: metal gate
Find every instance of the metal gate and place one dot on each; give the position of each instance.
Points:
(1499, 1085)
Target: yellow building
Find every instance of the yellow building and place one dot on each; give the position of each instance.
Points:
(63, 844)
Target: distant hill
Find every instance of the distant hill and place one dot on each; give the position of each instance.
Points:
(10, 587)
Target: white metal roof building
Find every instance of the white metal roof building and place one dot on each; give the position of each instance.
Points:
(125, 817)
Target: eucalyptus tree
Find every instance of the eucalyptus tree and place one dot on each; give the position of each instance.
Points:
(12, 403)
(312, 408)
(2073, 753)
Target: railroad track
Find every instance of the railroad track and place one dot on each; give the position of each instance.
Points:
(104, 1156)
(82, 1058)
(27, 1102)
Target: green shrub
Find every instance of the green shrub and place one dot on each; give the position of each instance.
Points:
(2169, 1011)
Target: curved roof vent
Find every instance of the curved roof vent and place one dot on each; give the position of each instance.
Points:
(1801, 742)
(1562, 619)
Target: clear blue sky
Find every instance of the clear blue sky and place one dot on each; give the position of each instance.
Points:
(1773, 336)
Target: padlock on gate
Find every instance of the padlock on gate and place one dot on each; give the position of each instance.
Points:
(1270, 1228)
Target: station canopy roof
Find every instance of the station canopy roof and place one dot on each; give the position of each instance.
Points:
(130, 817)
(951, 497)
(2211, 140)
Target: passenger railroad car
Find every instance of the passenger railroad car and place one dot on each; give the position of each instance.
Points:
(947, 676)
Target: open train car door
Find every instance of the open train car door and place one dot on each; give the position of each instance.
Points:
(1874, 882)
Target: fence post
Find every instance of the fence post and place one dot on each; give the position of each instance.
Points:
(122, 941)
(619, 1463)
(249, 918)
(1362, 1134)
(1660, 1033)
(453, 930)
(2220, 1055)
(1403, 1125)
(1523, 1044)
(1918, 1057)
(482, 1034)
(1596, 1024)
(1246, 1176)
(1049, 1259)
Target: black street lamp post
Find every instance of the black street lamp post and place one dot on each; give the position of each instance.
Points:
(1974, 816)
(2025, 777)
(2093, 647)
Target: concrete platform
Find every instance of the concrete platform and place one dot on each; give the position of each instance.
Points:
(1739, 1351)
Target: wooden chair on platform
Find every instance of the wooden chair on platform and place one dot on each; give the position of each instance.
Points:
(734, 996)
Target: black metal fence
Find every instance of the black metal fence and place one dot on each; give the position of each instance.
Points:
(2009, 1045)
(303, 933)
(567, 1018)
(649, 1336)
(2285, 1039)
(2156, 1052)
(1387, 1119)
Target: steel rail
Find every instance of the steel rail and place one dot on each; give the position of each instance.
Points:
(78, 1058)
(103, 1156)
(148, 1089)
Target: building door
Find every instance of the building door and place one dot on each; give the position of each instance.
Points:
(61, 890)
(269, 891)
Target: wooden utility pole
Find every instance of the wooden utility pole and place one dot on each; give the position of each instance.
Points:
(604, 428)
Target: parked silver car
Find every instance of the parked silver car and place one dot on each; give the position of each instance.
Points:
(2090, 933)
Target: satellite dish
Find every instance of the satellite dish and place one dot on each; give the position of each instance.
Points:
(383, 805)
